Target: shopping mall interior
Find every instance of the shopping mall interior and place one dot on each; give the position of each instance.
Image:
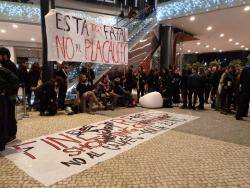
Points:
(163, 85)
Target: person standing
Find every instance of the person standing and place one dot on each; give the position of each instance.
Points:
(130, 81)
(227, 83)
(47, 96)
(215, 79)
(9, 91)
(34, 76)
(243, 106)
(184, 87)
(62, 73)
(141, 81)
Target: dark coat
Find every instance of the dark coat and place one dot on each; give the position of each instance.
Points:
(245, 80)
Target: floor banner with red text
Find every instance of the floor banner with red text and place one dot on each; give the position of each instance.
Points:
(54, 157)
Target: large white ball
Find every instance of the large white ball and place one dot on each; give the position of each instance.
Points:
(151, 100)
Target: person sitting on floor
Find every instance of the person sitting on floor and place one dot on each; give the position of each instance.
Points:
(124, 97)
(106, 93)
(47, 95)
(85, 96)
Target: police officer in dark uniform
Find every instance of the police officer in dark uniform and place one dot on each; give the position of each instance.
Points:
(243, 107)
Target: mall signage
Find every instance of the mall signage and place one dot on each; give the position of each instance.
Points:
(52, 158)
(72, 38)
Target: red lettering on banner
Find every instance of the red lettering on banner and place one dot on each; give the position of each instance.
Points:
(72, 48)
(25, 152)
(98, 49)
(92, 51)
(88, 44)
(103, 50)
(57, 141)
(58, 44)
(64, 46)
(113, 53)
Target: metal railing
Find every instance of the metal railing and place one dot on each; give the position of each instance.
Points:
(21, 104)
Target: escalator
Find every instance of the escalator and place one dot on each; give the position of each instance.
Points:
(143, 41)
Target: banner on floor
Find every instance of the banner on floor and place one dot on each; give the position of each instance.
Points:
(52, 158)
(72, 38)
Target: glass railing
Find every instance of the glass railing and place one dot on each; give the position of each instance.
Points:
(30, 13)
(19, 12)
(178, 8)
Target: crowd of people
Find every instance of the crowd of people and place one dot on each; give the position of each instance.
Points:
(226, 89)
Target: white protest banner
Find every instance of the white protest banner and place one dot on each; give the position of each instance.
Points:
(52, 158)
(71, 38)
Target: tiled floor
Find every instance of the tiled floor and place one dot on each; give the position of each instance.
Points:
(213, 151)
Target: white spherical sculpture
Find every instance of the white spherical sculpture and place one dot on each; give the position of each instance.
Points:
(151, 100)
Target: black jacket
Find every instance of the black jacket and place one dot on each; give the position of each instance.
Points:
(10, 66)
(245, 80)
(9, 82)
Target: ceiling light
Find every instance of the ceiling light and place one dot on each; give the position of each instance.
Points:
(230, 40)
(196, 52)
(3, 31)
(32, 39)
(192, 18)
(247, 8)
(246, 49)
(207, 46)
(222, 35)
(220, 51)
(198, 43)
(189, 51)
(214, 49)
(209, 28)
(15, 26)
(242, 46)
(237, 43)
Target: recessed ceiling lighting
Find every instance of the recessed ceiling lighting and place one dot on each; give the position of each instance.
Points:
(246, 49)
(192, 18)
(209, 28)
(247, 8)
(32, 39)
(220, 51)
(198, 43)
(230, 40)
(207, 46)
(242, 46)
(196, 52)
(214, 49)
(15, 26)
(222, 35)
(189, 51)
(3, 31)
(237, 43)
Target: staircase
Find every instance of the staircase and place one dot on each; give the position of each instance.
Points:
(143, 41)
